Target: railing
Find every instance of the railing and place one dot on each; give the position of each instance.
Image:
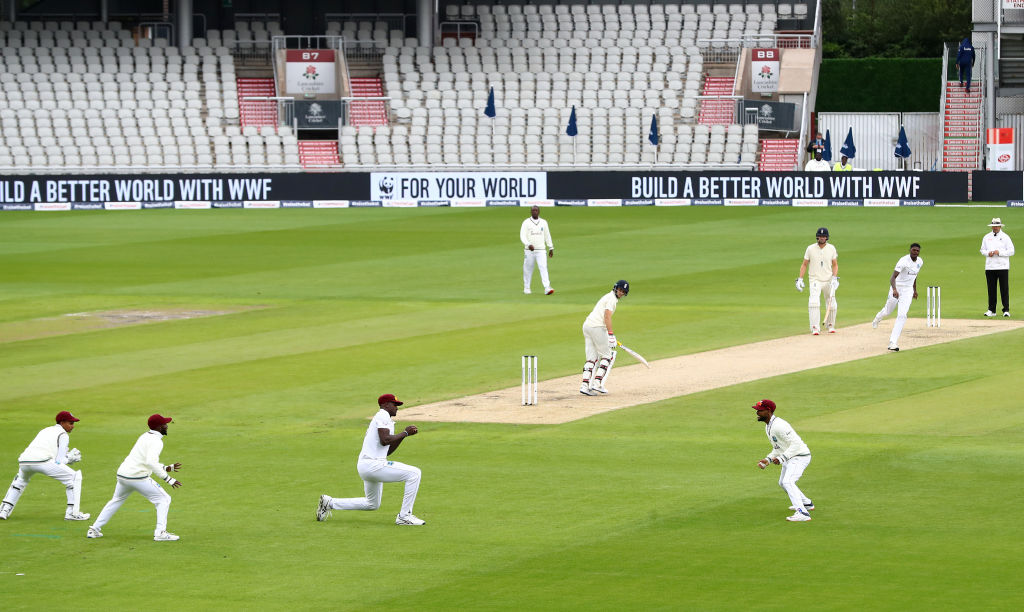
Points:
(364, 51)
(726, 50)
(258, 17)
(458, 30)
(737, 113)
(163, 169)
(154, 30)
(285, 108)
(394, 21)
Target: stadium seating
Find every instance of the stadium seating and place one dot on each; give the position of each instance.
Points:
(618, 65)
(82, 96)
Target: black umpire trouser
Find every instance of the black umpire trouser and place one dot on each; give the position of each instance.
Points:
(1003, 276)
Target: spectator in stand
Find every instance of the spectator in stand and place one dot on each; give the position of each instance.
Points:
(817, 164)
(965, 61)
(842, 165)
(818, 144)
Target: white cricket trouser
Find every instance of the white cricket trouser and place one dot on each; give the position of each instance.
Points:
(817, 290)
(595, 343)
(149, 489)
(792, 470)
(375, 472)
(891, 303)
(540, 258)
(71, 479)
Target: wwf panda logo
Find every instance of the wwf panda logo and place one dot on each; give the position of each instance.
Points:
(386, 186)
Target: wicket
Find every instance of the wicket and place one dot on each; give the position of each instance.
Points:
(934, 306)
(529, 389)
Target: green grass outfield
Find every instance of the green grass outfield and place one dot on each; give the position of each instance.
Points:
(917, 455)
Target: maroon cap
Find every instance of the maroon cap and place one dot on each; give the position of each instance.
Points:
(388, 397)
(64, 415)
(765, 404)
(156, 421)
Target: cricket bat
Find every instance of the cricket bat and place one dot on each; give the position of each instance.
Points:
(638, 356)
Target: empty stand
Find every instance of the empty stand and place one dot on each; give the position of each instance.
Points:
(618, 64)
(84, 96)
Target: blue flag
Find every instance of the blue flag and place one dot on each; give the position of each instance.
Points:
(826, 154)
(848, 149)
(490, 111)
(571, 130)
(902, 146)
(653, 136)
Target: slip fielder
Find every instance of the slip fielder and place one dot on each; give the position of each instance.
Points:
(134, 476)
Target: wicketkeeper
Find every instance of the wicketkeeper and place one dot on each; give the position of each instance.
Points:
(48, 454)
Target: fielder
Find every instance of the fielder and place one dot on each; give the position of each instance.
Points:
(134, 476)
(820, 263)
(535, 235)
(48, 454)
(902, 290)
(375, 469)
(789, 451)
(599, 340)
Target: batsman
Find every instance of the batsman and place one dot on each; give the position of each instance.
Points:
(822, 268)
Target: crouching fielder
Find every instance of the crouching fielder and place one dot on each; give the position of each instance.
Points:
(789, 451)
(134, 476)
(48, 455)
(375, 469)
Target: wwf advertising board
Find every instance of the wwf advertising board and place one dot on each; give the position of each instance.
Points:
(319, 115)
(826, 186)
(418, 189)
(458, 186)
(778, 116)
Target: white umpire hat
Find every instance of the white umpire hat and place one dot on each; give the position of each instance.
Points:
(996, 222)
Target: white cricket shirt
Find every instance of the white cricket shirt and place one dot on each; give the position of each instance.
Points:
(372, 448)
(907, 270)
(786, 444)
(817, 166)
(997, 242)
(49, 443)
(819, 266)
(596, 317)
(144, 458)
(535, 232)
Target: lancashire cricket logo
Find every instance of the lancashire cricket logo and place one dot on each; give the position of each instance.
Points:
(311, 73)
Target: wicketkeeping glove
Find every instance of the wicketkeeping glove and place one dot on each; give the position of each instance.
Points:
(800, 284)
(612, 342)
(74, 456)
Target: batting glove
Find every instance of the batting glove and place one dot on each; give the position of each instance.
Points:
(835, 283)
(612, 342)
(74, 456)
(800, 284)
